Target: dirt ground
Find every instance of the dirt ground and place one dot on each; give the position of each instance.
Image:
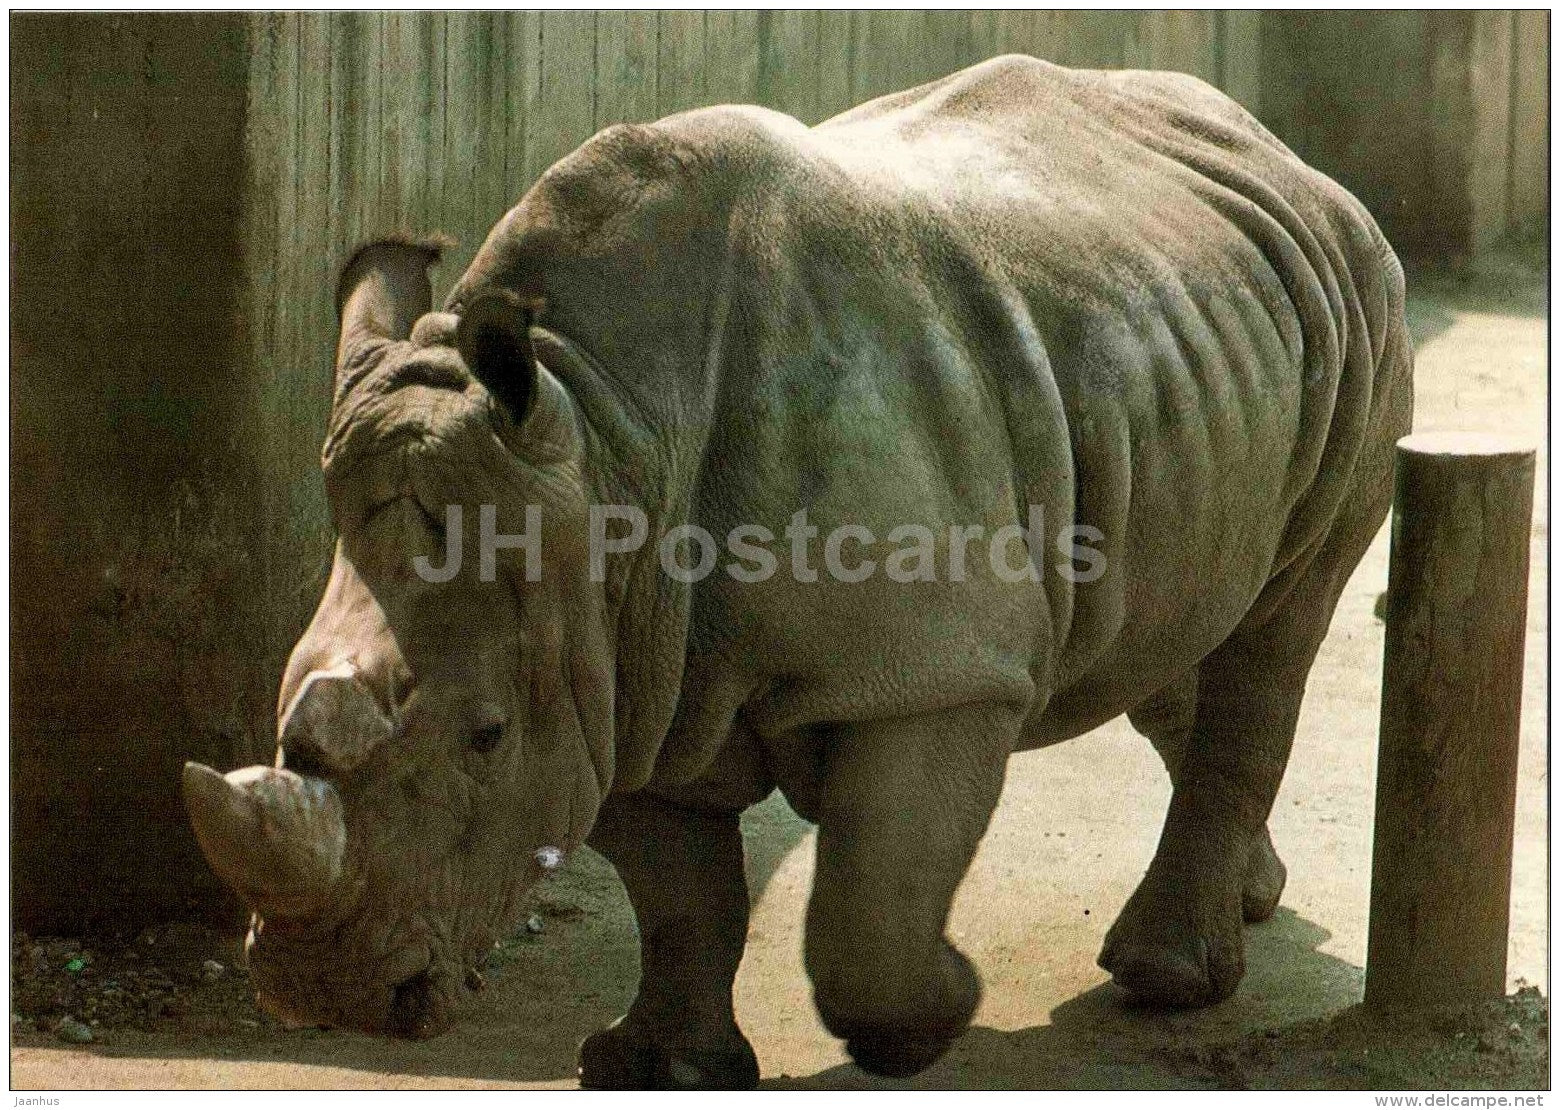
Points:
(1076, 828)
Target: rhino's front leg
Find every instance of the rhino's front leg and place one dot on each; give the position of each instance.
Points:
(903, 806)
(683, 872)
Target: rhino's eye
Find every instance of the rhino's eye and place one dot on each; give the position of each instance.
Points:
(486, 738)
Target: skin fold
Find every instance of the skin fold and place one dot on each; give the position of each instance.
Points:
(1113, 296)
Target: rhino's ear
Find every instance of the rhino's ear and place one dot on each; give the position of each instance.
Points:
(494, 338)
(383, 289)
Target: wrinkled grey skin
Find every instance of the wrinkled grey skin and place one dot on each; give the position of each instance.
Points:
(1111, 295)
(476, 726)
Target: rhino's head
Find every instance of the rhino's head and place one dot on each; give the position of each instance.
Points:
(443, 737)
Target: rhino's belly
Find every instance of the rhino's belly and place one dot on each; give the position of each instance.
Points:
(1090, 704)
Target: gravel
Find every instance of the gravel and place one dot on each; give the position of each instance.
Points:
(176, 979)
(181, 980)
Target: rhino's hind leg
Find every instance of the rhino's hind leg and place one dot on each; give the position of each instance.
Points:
(683, 872)
(903, 807)
(1178, 940)
(1264, 882)
(1166, 719)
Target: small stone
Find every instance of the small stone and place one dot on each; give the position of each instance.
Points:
(249, 1023)
(212, 970)
(534, 924)
(73, 1031)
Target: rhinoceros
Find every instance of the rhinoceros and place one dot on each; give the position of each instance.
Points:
(1020, 300)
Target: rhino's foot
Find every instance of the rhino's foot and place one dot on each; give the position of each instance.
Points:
(893, 1055)
(904, 1048)
(626, 1056)
(1170, 947)
(1264, 881)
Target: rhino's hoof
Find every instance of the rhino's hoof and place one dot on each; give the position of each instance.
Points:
(624, 1057)
(1264, 881)
(895, 1057)
(1164, 954)
(1161, 976)
(901, 1050)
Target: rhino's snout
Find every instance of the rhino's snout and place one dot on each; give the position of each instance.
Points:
(305, 980)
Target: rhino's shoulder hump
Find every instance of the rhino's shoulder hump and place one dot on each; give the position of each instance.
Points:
(682, 172)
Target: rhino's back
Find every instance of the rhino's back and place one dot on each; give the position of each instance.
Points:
(1111, 294)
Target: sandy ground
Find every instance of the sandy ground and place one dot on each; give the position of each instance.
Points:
(1075, 831)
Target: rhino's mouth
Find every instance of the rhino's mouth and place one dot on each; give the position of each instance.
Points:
(305, 980)
(413, 1009)
(417, 1009)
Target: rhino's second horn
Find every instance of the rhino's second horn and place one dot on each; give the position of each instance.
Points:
(333, 723)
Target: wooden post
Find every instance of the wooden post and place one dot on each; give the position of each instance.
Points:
(1451, 696)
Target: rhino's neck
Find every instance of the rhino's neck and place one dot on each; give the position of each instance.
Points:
(631, 255)
(636, 459)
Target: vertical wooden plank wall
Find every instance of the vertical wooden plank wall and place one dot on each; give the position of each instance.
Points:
(627, 66)
(789, 59)
(1240, 57)
(731, 56)
(1529, 213)
(680, 69)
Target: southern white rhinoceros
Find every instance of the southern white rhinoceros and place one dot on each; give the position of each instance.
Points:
(1095, 305)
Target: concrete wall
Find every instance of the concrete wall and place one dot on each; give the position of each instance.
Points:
(1529, 161)
(133, 597)
(184, 188)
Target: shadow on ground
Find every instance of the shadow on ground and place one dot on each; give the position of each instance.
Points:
(553, 990)
(1507, 283)
(1099, 1041)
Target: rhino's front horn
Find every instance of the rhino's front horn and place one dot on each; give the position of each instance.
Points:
(275, 837)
